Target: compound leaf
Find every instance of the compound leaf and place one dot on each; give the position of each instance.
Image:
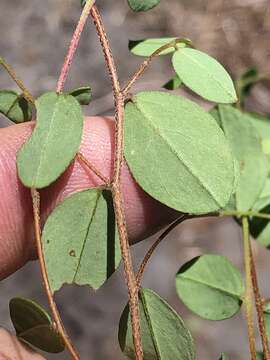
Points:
(210, 286)
(54, 141)
(80, 240)
(142, 5)
(14, 106)
(164, 334)
(34, 325)
(177, 153)
(204, 75)
(147, 47)
(246, 146)
(82, 94)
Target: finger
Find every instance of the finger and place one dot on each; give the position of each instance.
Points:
(143, 214)
(12, 349)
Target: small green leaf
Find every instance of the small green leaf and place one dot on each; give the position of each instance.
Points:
(164, 334)
(173, 84)
(14, 106)
(177, 153)
(147, 47)
(247, 80)
(247, 149)
(223, 357)
(259, 356)
(210, 286)
(82, 94)
(142, 5)
(80, 240)
(204, 75)
(262, 125)
(34, 326)
(54, 141)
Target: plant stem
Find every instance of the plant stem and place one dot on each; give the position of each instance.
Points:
(73, 45)
(248, 293)
(26, 93)
(155, 245)
(56, 316)
(116, 184)
(144, 66)
(259, 308)
(240, 214)
(92, 167)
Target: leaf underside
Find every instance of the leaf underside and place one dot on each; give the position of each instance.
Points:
(142, 5)
(14, 106)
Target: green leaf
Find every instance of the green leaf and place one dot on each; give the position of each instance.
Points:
(82, 94)
(80, 240)
(204, 75)
(14, 106)
(210, 286)
(173, 84)
(34, 326)
(223, 357)
(147, 47)
(253, 164)
(262, 125)
(177, 153)
(247, 80)
(259, 356)
(164, 334)
(142, 5)
(54, 141)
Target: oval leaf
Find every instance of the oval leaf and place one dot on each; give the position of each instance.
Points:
(80, 240)
(142, 5)
(177, 153)
(210, 286)
(204, 75)
(83, 95)
(34, 326)
(14, 106)
(164, 334)
(147, 47)
(247, 149)
(54, 141)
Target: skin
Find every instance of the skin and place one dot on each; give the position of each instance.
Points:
(144, 215)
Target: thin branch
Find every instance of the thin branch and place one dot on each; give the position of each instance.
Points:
(92, 167)
(144, 66)
(155, 245)
(248, 293)
(259, 308)
(26, 93)
(56, 316)
(116, 187)
(73, 45)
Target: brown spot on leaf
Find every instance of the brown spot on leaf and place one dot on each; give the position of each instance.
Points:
(242, 164)
(72, 253)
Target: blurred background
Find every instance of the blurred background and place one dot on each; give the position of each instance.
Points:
(34, 38)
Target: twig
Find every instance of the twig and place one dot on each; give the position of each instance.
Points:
(259, 309)
(144, 66)
(155, 245)
(116, 190)
(92, 167)
(26, 93)
(73, 45)
(56, 316)
(248, 293)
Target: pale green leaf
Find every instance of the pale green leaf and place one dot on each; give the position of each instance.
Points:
(177, 153)
(262, 125)
(80, 240)
(34, 326)
(253, 164)
(54, 141)
(147, 47)
(14, 106)
(142, 5)
(204, 75)
(210, 286)
(164, 334)
(82, 94)
(173, 84)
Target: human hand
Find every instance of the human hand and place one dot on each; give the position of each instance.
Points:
(144, 215)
